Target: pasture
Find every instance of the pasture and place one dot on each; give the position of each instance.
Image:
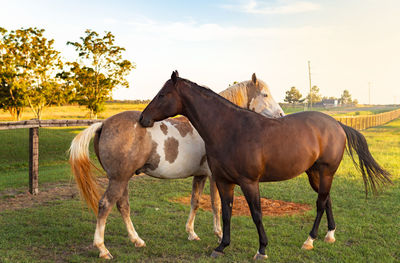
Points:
(61, 229)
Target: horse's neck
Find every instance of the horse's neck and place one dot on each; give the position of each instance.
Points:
(206, 112)
(237, 95)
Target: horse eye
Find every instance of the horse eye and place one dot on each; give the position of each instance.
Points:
(161, 96)
(265, 95)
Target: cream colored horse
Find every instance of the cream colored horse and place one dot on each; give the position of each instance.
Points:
(171, 149)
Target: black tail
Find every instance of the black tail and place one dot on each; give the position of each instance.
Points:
(373, 174)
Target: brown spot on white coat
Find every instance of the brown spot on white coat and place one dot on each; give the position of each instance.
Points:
(164, 128)
(171, 149)
(182, 124)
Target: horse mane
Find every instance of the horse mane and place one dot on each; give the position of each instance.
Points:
(209, 93)
(237, 94)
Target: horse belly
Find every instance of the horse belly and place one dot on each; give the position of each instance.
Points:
(179, 156)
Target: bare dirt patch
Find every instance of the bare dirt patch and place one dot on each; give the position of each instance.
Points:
(13, 199)
(269, 207)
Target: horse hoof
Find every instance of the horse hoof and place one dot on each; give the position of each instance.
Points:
(216, 254)
(140, 243)
(329, 239)
(308, 244)
(259, 256)
(307, 247)
(219, 236)
(106, 256)
(194, 237)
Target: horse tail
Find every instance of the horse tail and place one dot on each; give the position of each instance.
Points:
(373, 174)
(81, 166)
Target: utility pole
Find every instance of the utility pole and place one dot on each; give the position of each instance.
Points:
(309, 77)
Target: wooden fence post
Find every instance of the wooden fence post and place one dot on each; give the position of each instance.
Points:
(34, 160)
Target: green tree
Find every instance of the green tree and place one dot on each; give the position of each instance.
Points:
(293, 95)
(100, 69)
(315, 96)
(345, 98)
(28, 68)
(13, 84)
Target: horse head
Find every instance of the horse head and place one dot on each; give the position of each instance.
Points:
(165, 104)
(260, 99)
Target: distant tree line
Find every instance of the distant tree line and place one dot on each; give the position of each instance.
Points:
(32, 73)
(130, 101)
(294, 96)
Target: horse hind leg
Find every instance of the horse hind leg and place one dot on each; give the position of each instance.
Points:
(197, 189)
(330, 236)
(113, 193)
(216, 207)
(321, 181)
(124, 209)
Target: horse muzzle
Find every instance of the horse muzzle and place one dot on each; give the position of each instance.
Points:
(145, 122)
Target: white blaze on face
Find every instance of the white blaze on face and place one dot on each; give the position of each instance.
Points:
(191, 149)
(265, 104)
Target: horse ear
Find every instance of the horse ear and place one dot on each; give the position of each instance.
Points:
(254, 78)
(174, 76)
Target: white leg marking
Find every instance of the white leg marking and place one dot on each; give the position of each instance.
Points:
(330, 236)
(308, 244)
(190, 226)
(133, 235)
(259, 256)
(99, 240)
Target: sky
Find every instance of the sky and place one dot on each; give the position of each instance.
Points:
(351, 44)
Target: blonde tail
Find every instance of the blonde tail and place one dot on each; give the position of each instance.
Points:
(81, 166)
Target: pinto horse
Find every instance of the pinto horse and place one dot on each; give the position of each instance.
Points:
(171, 149)
(244, 148)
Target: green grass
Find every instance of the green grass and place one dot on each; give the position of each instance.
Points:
(368, 230)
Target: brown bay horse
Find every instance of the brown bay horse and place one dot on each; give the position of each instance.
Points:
(171, 149)
(244, 148)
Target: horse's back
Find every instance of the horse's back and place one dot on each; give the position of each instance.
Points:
(298, 141)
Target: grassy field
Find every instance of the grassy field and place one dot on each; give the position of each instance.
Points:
(368, 230)
(74, 112)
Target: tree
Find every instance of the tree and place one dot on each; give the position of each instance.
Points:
(293, 95)
(345, 98)
(13, 83)
(45, 88)
(315, 96)
(100, 70)
(28, 69)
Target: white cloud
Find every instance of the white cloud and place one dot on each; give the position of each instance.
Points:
(281, 7)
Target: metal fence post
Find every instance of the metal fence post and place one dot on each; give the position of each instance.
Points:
(34, 160)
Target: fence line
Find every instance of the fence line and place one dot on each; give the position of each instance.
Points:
(366, 121)
(34, 126)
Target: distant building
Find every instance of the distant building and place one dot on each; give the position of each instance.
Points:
(327, 103)
(330, 102)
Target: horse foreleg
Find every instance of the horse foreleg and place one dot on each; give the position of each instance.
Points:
(252, 193)
(113, 193)
(197, 190)
(226, 194)
(124, 209)
(216, 207)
